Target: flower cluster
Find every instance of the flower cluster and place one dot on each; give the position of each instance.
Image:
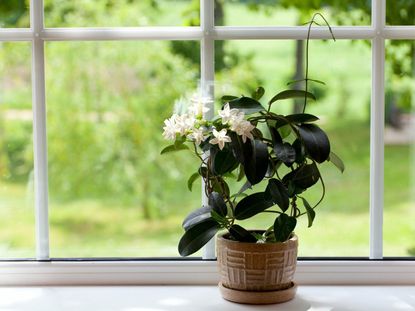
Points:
(193, 126)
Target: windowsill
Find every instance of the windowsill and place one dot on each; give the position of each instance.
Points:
(171, 298)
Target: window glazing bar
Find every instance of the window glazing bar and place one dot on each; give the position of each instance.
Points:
(377, 117)
(39, 132)
(207, 72)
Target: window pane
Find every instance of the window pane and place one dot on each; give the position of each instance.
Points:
(14, 14)
(16, 153)
(106, 13)
(289, 13)
(400, 12)
(399, 227)
(111, 192)
(341, 224)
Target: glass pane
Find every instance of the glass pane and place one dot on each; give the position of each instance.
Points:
(14, 14)
(341, 225)
(290, 13)
(16, 153)
(107, 13)
(400, 12)
(399, 227)
(111, 192)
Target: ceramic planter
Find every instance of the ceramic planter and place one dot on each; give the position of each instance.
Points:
(257, 273)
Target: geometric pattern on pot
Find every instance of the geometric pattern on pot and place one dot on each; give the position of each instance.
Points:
(257, 271)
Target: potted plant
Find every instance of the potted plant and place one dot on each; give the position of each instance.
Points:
(255, 146)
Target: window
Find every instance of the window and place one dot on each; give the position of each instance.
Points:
(87, 92)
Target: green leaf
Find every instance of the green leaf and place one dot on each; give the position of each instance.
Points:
(259, 92)
(252, 205)
(311, 214)
(311, 80)
(316, 142)
(173, 148)
(196, 216)
(285, 153)
(197, 236)
(287, 94)
(223, 161)
(335, 159)
(301, 118)
(302, 177)
(227, 98)
(191, 180)
(241, 234)
(217, 203)
(284, 226)
(277, 193)
(255, 154)
(246, 104)
(220, 187)
(285, 131)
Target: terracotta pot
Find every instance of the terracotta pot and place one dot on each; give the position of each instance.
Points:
(257, 267)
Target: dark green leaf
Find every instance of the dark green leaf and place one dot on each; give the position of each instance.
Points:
(223, 161)
(217, 203)
(191, 180)
(284, 225)
(173, 148)
(275, 135)
(197, 236)
(196, 216)
(299, 151)
(252, 205)
(246, 104)
(334, 158)
(227, 98)
(241, 173)
(285, 153)
(242, 235)
(237, 147)
(259, 92)
(315, 141)
(277, 193)
(301, 118)
(287, 94)
(311, 214)
(255, 154)
(302, 177)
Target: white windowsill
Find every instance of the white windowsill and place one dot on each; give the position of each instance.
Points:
(196, 273)
(201, 298)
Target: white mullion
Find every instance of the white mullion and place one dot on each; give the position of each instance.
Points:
(377, 130)
(207, 75)
(291, 32)
(15, 34)
(39, 132)
(127, 33)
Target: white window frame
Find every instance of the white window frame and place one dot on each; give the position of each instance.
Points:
(44, 271)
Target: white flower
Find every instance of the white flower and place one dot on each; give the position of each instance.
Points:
(220, 138)
(198, 135)
(230, 115)
(184, 123)
(199, 103)
(243, 128)
(170, 128)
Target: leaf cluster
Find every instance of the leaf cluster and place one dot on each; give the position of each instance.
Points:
(284, 154)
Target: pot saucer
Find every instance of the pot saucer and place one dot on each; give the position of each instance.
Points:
(258, 298)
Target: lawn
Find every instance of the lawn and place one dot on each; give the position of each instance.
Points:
(90, 226)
